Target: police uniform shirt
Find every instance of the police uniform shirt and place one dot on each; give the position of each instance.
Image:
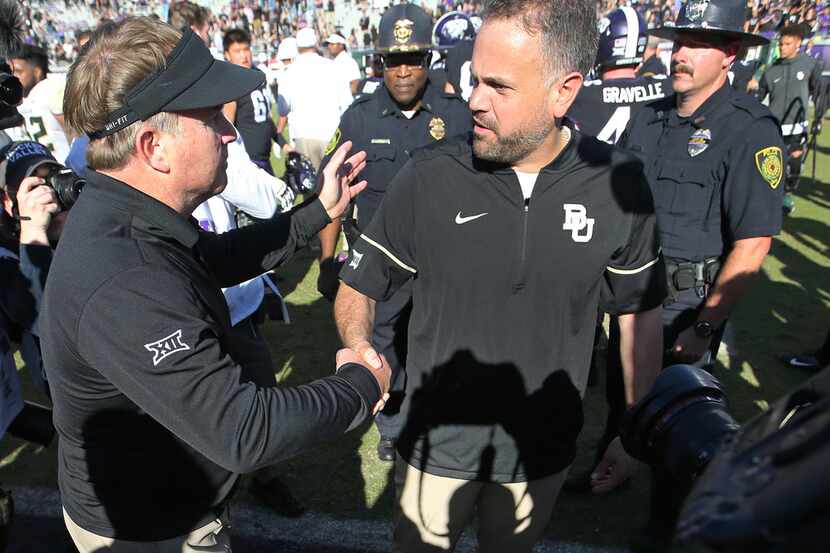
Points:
(459, 61)
(376, 125)
(155, 419)
(253, 119)
(715, 176)
(505, 296)
(604, 108)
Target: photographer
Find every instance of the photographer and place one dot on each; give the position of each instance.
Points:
(31, 219)
(155, 416)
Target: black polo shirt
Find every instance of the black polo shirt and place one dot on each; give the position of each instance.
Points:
(505, 297)
(154, 417)
(374, 123)
(715, 176)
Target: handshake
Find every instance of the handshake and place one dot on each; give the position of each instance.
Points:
(375, 363)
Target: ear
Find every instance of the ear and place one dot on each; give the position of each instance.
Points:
(149, 148)
(731, 52)
(564, 92)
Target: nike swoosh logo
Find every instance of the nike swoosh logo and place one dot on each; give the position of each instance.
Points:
(459, 220)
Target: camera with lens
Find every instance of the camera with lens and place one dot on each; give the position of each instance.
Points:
(25, 158)
(760, 488)
(66, 184)
(11, 94)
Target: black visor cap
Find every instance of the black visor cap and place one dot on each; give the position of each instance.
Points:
(191, 79)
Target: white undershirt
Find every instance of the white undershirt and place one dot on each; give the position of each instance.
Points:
(527, 181)
(409, 114)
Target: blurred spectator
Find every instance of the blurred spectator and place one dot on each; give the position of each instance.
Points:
(345, 63)
(316, 96)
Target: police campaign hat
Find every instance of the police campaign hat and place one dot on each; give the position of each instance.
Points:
(190, 79)
(723, 18)
(404, 28)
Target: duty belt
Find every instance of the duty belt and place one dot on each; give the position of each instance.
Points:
(699, 275)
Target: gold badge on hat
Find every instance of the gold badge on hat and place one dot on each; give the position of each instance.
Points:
(770, 164)
(403, 30)
(437, 128)
(695, 9)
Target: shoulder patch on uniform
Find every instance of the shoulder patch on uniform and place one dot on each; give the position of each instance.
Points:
(166, 346)
(335, 140)
(770, 164)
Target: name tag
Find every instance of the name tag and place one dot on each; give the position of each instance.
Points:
(381, 141)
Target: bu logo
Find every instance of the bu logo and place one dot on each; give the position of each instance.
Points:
(576, 221)
(166, 346)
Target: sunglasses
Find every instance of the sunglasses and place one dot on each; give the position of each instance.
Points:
(410, 59)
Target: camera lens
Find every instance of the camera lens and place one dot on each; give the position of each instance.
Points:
(67, 186)
(680, 424)
(11, 91)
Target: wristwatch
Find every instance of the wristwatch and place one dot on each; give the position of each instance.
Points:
(704, 329)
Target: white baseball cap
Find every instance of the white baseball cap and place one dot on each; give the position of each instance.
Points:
(306, 38)
(334, 38)
(287, 50)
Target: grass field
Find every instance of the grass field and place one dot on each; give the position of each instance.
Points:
(787, 310)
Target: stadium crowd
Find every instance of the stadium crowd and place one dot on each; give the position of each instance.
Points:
(351, 95)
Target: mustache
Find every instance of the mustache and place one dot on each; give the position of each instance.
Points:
(683, 68)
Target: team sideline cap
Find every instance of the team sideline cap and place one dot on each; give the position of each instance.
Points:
(306, 38)
(287, 49)
(191, 79)
(334, 38)
(19, 160)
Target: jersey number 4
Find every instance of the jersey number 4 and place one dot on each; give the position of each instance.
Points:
(615, 126)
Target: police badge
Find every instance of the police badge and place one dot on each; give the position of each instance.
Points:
(403, 30)
(699, 141)
(770, 164)
(695, 9)
(437, 128)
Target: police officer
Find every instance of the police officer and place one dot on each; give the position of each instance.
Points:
(714, 160)
(405, 113)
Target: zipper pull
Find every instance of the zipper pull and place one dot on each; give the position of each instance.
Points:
(527, 204)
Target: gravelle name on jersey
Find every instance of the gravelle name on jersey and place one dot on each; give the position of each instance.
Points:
(632, 94)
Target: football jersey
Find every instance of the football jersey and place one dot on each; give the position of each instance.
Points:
(603, 108)
(38, 109)
(253, 119)
(459, 60)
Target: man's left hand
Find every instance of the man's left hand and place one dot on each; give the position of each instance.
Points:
(337, 190)
(615, 468)
(689, 347)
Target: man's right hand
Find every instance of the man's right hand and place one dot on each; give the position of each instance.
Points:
(377, 365)
(337, 190)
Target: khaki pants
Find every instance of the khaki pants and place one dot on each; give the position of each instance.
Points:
(432, 511)
(313, 149)
(213, 537)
